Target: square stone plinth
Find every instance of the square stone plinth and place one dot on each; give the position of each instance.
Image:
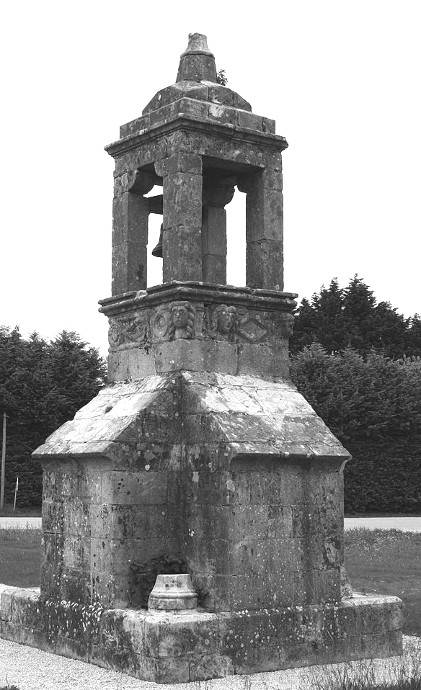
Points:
(190, 646)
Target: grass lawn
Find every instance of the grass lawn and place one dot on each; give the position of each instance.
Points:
(20, 557)
(378, 561)
(26, 511)
(387, 562)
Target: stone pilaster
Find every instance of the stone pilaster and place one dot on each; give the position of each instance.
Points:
(264, 229)
(182, 211)
(130, 232)
(214, 232)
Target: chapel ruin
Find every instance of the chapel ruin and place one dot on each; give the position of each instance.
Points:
(193, 511)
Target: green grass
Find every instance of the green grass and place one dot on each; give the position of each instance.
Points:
(26, 511)
(387, 562)
(402, 673)
(20, 557)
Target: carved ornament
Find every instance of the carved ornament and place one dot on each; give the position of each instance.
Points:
(182, 318)
(225, 321)
(134, 329)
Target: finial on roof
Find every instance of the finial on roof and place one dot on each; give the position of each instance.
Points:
(197, 63)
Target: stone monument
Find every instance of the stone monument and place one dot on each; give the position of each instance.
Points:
(193, 511)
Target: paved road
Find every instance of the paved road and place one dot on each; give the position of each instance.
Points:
(406, 524)
(20, 522)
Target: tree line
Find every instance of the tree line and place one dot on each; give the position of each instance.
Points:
(42, 385)
(357, 361)
(350, 317)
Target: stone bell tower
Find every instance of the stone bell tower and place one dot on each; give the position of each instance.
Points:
(200, 457)
(198, 140)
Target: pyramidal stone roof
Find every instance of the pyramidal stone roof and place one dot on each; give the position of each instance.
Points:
(196, 95)
(196, 78)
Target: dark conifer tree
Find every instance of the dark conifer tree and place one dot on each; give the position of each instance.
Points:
(351, 317)
(42, 385)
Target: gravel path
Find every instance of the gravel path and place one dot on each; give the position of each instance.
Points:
(31, 669)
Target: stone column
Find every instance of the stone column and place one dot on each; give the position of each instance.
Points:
(264, 229)
(182, 216)
(130, 232)
(214, 232)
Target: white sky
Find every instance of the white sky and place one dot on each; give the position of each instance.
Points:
(341, 79)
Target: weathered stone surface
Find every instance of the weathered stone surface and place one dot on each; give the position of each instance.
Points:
(130, 237)
(238, 510)
(189, 646)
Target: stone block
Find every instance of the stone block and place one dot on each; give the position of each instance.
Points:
(181, 246)
(182, 162)
(259, 359)
(119, 642)
(133, 363)
(83, 482)
(25, 607)
(77, 519)
(268, 125)
(74, 585)
(136, 126)
(52, 516)
(275, 482)
(196, 109)
(222, 114)
(6, 595)
(324, 586)
(75, 649)
(209, 666)
(265, 264)
(250, 120)
(136, 488)
(171, 670)
(111, 521)
(183, 201)
(214, 267)
(222, 399)
(195, 355)
(76, 552)
(181, 635)
(115, 556)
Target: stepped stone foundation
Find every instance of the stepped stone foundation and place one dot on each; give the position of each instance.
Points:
(200, 459)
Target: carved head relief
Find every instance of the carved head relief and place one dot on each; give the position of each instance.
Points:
(226, 320)
(182, 317)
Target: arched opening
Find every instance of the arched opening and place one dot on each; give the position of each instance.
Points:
(236, 240)
(154, 263)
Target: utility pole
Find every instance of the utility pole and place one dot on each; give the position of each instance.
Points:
(3, 463)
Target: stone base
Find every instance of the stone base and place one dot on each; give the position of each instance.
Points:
(196, 645)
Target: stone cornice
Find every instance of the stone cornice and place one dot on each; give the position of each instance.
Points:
(189, 123)
(200, 292)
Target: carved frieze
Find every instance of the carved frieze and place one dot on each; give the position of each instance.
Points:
(252, 328)
(186, 320)
(239, 324)
(132, 329)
